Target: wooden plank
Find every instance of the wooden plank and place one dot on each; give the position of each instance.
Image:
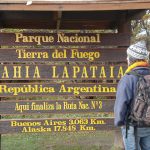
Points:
(55, 106)
(78, 16)
(55, 125)
(67, 72)
(51, 89)
(64, 39)
(72, 1)
(92, 15)
(130, 5)
(59, 54)
(70, 20)
(87, 24)
(28, 23)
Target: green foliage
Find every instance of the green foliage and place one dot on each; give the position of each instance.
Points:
(141, 29)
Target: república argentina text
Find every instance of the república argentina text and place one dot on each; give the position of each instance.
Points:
(27, 89)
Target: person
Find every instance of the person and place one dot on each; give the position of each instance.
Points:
(137, 59)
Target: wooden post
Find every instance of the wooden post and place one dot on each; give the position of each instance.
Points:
(124, 24)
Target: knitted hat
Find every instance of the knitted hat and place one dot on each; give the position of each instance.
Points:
(138, 51)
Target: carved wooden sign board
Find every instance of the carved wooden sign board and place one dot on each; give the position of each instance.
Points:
(58, 73)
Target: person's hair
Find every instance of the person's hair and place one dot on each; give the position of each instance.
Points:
(132, 60)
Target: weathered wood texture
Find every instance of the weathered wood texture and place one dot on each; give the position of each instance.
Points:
(68, 20)
(55, 125)
(48, 19)
(73, 1)
(61, 39)
(50, 89)
(75, 5)
(55, 106)
(66, 54)
(67, 72)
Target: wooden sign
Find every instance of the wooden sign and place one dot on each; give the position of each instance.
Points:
(64, 38)
(50, 89)
(55, 106)
(21, 66)
(57, 54)
(55, 125)
(67, 72)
